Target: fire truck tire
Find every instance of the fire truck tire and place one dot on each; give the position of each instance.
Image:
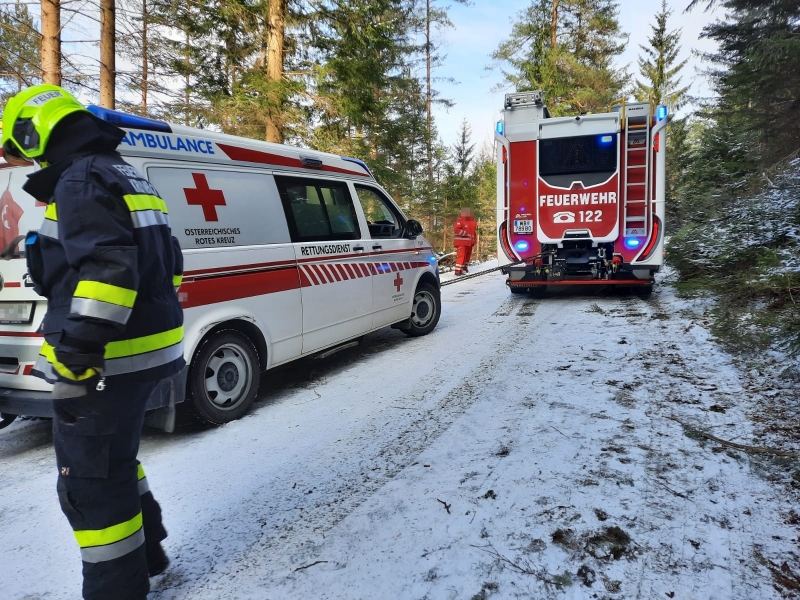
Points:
(223, 378)
(426, 310)
(518, 290)
(643, 291)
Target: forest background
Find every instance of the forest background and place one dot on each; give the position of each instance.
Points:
(364, 78)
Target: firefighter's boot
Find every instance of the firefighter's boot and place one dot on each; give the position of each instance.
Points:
(157, 561)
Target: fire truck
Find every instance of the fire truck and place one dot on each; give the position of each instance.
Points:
(580, 200)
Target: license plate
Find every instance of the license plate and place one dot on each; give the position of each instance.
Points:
(16, 312)
(523, 226)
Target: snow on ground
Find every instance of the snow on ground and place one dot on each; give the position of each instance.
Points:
(525, 449)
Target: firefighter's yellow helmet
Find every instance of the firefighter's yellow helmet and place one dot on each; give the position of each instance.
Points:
(30, 117)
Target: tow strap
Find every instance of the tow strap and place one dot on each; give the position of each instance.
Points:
(474, 275)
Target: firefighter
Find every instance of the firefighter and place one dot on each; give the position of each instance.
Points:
(464, 240)
(108, 265)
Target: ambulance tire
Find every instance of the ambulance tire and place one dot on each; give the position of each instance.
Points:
(223, 378)
(427, 310)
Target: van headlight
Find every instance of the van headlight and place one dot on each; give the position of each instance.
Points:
(16, 312)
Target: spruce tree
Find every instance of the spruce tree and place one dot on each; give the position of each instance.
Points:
(757, 72)
(567, 49)
(659, 81)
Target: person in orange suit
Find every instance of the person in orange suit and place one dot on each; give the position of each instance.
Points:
(465, 238)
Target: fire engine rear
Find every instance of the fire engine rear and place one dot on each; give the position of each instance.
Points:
(580, 200)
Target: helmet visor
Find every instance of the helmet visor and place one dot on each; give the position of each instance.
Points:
(25, 134)
(12, 154)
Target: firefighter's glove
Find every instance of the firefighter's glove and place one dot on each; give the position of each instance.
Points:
(77, 371)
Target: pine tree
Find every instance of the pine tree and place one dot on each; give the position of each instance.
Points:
(660, 82)
(19, 50)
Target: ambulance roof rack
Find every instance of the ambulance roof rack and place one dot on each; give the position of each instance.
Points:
(521, 99)
(127, 121)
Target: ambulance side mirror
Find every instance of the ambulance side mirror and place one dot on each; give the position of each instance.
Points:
(413, 229)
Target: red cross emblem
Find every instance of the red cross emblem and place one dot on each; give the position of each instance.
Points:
(204, 196)
(398, 281)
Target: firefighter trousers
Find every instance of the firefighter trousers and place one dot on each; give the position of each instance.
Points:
(463, 256)
(103, 490)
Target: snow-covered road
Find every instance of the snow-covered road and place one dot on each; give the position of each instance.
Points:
(525, 449)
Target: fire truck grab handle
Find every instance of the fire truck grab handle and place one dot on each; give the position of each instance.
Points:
(658, 127)
(358, 248)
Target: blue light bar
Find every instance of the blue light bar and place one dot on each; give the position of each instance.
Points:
(500, 127)
(522, 246)
(632, 242)
(127, 121)
(359, 162)
(661, 112)
(606, 139)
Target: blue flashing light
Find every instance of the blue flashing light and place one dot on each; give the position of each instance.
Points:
(661, 112)
(632, 242)
(605, 140)
(359, 162)
(522, 246)
(127, 121)
(500, 127)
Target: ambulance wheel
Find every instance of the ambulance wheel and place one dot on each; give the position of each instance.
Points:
(426, 310)
(224, 377)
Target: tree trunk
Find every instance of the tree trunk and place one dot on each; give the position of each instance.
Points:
(554, 25)
(51, 41)
(107, 52)
(145, 48)
(275, 55)
(428, 96)
(444, 227)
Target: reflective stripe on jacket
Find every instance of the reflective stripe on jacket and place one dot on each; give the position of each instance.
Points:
(108, 265)
(464, 230)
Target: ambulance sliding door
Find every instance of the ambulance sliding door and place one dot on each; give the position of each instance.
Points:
(238, 257)
(392, 257)
(332, 258)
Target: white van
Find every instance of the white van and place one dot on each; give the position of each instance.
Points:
(288, 252)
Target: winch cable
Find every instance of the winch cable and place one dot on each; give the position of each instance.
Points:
(480, 273)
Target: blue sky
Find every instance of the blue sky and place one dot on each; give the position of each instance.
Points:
(480, 27)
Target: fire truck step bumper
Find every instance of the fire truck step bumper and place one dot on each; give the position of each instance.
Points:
(626, 282)
(26, 403)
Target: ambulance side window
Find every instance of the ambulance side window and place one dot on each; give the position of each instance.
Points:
(318, 210)
(382, 219)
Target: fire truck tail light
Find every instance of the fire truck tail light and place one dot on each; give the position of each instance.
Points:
(505, 154)
(632, 242)
(656, 142)
(522, 246)
(654, 237)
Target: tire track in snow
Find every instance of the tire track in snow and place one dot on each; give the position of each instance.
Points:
(291, 535)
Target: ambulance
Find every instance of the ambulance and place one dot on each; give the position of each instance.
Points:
(580, 200)
(288, 253)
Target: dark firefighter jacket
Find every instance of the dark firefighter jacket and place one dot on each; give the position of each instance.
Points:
(106, 261)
